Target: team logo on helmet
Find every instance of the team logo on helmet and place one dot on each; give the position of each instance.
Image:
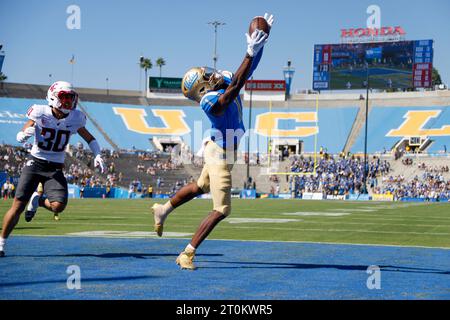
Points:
(62, 96)
(200, 80)
(190, 80)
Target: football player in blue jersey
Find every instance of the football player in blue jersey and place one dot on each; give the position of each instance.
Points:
(218, 95)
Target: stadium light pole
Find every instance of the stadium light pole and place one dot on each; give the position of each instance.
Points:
(141, 59)
(288, 73)
(215, 24)
(2, 56)
(249, 127)
(366, 126)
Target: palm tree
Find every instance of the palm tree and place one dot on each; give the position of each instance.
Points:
(160, 63)
(2, 78)
(436, 77)
(145, 63)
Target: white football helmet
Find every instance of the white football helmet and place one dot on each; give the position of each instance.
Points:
(199, 80)
(62, 96)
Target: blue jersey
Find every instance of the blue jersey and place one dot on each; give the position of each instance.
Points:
(227, 128)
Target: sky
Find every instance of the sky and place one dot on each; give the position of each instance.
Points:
(114, 34)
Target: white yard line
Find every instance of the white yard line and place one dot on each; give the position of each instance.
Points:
(376, 224)
(356, 210)
(267, 241)
(90, 224)
(354, 230)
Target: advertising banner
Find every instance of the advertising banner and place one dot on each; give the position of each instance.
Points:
(312, 196)
(265, 85)
(248, 194)
(382, 197)
(164, 84)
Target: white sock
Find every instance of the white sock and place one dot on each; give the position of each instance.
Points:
(2, 243)
(189, 249)
(168, 208)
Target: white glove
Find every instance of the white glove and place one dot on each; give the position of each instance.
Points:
(98, 162)
(255, 42)
(23, 136)
(269, 19)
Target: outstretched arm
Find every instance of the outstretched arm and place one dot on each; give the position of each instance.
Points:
(255, 44)
(235, 86)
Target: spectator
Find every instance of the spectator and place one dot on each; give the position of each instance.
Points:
(150, 191)
(5, 190)
(82, 186)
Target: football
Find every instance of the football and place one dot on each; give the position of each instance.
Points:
(258, 23)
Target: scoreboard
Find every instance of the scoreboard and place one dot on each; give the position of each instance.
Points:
(423, 63)
(399, 64)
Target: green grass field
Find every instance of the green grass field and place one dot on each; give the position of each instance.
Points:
(406, 224)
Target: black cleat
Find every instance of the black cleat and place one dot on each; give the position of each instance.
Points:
(2, 254)
(29, 215)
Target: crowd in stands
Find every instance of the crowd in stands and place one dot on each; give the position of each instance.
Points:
(76, 174)
(407, 161)
(12, 159)
(79, 168)
(82, 171)
(339, 175)
(333, 175)
(157, 166)
(433, 169)
(431, 184)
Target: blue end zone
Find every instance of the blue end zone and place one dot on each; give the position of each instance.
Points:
(35, 268)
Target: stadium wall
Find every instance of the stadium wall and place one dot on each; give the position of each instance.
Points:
(388, 125)
(387, 113)
(13, 117)
(133, 126)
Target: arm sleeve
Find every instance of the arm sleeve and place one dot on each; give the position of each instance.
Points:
(255, 63)
(208, 101)
(95, 147)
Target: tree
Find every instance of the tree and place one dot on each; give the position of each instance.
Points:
(160, 63)
(2, 78)
(145, 63)
(436, 77)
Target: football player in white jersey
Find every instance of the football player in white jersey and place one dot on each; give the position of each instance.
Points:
(51, 125)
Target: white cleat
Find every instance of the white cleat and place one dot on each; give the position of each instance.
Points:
(159, 217)
(33, 205)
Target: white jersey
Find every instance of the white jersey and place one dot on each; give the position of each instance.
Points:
(52, 135)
